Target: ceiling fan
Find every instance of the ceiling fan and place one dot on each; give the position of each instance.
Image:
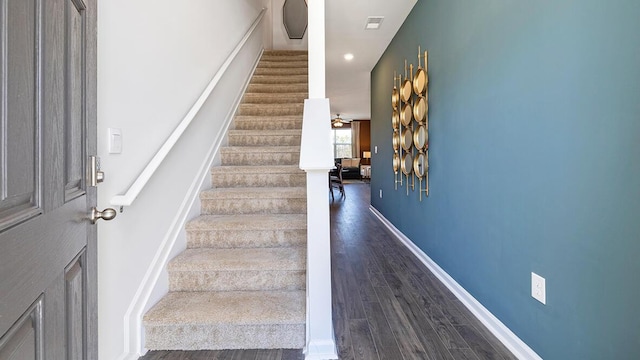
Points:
(338, 121)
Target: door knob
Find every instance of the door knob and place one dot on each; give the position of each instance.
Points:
(106, 214)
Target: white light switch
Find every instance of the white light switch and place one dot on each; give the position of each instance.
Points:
(115, 141)
(375, 149)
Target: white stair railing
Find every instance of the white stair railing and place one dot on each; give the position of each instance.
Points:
(316, 158)
(139, 183)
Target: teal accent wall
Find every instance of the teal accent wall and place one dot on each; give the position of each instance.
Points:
(534, 124)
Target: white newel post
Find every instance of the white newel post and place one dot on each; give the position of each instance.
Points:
(316, 158)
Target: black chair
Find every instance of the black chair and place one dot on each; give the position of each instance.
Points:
(335, 181)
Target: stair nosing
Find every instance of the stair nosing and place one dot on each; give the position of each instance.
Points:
(261, 149)
(261, 169)
(283, 132)
(247, 222)
(246, 193)
(208, 320)
(292, 259)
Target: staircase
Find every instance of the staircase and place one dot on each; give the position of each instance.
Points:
(241, 282)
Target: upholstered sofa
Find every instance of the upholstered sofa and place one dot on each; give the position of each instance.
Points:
(350, 168)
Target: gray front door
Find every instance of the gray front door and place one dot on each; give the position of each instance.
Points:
(48, 130)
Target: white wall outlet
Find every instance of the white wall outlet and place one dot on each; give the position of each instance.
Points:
(538, 288)
(380, 193)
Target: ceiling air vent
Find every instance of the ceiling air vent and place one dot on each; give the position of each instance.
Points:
(373, 22)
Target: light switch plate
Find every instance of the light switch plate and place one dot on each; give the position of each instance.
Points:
(538, 288)
(115, 141)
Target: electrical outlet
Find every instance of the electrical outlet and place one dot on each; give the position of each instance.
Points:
(380, 193)
(538, 288)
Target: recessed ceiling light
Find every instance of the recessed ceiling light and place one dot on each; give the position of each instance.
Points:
(348, 56)
(373, 22)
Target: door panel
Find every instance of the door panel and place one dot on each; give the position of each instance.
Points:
(74, 97)
(75, 279)
(24, 340)
(26, 264)
(19, 144)
(48, 124)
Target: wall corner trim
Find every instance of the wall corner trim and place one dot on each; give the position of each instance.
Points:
(518, 347)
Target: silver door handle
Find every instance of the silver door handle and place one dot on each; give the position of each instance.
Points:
(106, 214)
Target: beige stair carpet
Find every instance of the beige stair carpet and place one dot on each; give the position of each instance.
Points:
(241, 282)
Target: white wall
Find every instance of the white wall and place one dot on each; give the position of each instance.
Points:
(280, 38)
(267, 24)
(155, 57)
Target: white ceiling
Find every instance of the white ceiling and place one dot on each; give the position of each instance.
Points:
(349, 82)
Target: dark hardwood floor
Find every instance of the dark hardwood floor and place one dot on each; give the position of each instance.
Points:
(387, 304)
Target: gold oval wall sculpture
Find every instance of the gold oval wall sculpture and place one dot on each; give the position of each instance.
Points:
(405, 90)
(395, 98)
(395, 119)
(420, 79)
(406, 139)
(410, 100)
(405, 114)
(407, 163)
(396, 163)
(396, 141)
(420, 109)
(419, 165)
(421, 138)
(420, 82)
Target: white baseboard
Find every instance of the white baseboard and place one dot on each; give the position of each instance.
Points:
(130, 356)
(518, 347)
(133, 330)
(321, 350)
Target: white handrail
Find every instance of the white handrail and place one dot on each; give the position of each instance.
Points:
(134, 190)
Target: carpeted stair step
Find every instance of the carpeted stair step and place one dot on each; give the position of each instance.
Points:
(284, 55)
(264, 137)
(285, 58)
(265, 63)
(279, 79)
(274, 98)
(260, 155)
(248, 269)
(227, 320)
(281, 71)
(268, 122)
(271, 109)
(277, 89)
(228, 201)
(289, 54)
(257, 176)
(246, 231)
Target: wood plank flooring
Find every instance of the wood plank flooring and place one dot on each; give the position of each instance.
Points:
(386, 303)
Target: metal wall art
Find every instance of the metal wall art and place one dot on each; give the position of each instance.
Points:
(410, 123)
